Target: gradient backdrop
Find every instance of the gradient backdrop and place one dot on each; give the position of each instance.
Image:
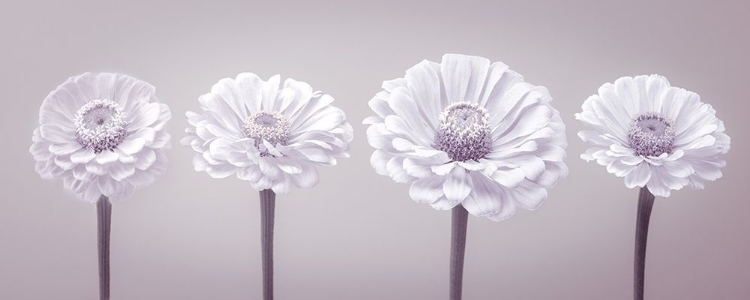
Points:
(357, 235)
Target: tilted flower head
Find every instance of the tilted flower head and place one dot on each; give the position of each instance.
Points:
(653, 134)
(270, 134)
(103, 134)
(468, 132)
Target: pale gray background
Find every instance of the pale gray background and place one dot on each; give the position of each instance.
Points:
(357, 235)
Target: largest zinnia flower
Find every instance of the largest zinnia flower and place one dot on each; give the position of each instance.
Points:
(103, 135)
(468, 132)
(470, 136)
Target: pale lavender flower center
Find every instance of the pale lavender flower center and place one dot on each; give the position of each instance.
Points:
(464, 132)
(651, 134)
(270, 126)
(100, 125)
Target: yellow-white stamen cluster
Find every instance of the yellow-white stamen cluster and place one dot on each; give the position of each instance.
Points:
(270, 126)
(464, 132)
(100, 125)
(651, 134)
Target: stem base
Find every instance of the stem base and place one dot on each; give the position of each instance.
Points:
(104, 226)
(267, 207)
(645, 205)
(459, 223)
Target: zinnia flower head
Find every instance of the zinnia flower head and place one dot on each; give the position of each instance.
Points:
(272, 134)
(103, 134)
(653, 134)
(470, 132)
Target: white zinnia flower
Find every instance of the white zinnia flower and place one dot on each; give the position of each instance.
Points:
(270, 134)
(468, 132)
(653, 134)
(103, 134)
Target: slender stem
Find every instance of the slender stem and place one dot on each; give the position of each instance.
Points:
(267, 205)
(104, 224)
(460, 219)
(645, 204)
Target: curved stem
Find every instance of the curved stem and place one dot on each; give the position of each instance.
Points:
(104, 224)
(267, 205)
(645, 205)
(459, 222)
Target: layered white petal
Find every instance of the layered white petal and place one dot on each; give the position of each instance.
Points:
(137, 161)
(698, 143)
(527, 136)
(319, 133)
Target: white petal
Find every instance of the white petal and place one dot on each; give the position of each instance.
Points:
(639, 176)
(444, 204)
(161, 140)
(268, 167)
(457, 185)
(629, 94)
(220, 171)
(251, 173)
(124, 157)
(270, 90)
(289, 166)
(679, 168)
(251, 90)
(108, 186)
(82, 156)
(427, 190)
(486, 197)
(221, 148)
(463, 76)
(529, 195)
(403, 145)
(145, 160)
(64, 149)
(499, 80)
(379, 160)
(55, 134)
(229, 90)
(444, 169)
(146, 115)
(307, 178)
(131, 145)
(40, 151)
(424, 83)
(415, 169)
(395, 169)
(121, 171)
(509, 178)
(199, 164)
(281, 187)
(141, 179)
(106, 157)
(95, 168)
(532, 120)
